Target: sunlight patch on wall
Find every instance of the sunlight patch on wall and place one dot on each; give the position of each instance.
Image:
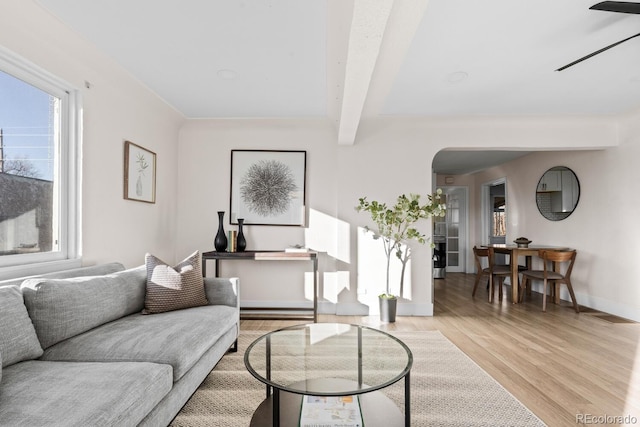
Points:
(328, 234)
(333, 283)
(372, 264)
(308, 285)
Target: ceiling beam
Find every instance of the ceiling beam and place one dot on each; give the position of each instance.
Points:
(339, 17)
(384, 29)
(365, 38)
(404, 21)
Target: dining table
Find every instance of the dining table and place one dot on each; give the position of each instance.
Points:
(515, 252)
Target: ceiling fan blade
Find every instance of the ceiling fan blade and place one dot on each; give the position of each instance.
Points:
(617, 6)
(597, 52)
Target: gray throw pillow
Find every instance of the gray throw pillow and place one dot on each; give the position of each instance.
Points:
(18, 339)
(173, 288)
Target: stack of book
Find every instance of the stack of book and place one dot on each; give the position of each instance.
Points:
(232, 240)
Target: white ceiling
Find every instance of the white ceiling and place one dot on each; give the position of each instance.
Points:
(354, 59)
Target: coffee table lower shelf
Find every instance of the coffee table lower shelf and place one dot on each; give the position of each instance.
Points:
(278, 313)
(377, 411)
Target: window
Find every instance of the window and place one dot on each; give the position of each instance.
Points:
(38, 164)
(499, 226)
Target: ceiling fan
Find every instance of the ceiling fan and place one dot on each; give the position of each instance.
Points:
(609, 6)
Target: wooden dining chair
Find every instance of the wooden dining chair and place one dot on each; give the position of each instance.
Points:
(549, 274)
(492, 271)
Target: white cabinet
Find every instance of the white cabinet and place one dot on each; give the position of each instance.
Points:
(566, 199)
(551, 181)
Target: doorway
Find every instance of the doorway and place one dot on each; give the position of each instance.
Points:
(494, 214)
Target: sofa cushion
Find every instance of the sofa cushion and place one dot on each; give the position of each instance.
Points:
(173, 288)
(37, 393)
(178, 338)
(18, 340)
(94, 270)
(63, 308)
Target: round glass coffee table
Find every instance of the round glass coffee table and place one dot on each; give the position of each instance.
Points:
(329, 359)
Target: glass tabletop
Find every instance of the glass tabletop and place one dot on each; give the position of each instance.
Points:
(328, 359)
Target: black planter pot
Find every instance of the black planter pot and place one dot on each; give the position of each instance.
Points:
(220, 242)
(388, 308)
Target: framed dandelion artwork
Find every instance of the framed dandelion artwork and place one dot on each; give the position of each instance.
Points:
(139, 173)
(268, 187)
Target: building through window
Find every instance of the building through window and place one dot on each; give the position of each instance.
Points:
(499, 217)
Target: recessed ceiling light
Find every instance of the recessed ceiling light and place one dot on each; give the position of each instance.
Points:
(225, 74)
(457, 77)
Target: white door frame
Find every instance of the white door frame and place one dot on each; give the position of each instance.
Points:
(487, 209)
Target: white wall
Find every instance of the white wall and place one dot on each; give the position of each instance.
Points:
(390, 157)
(204, 156)
(116, 107)
(603, 228)
(336, 178)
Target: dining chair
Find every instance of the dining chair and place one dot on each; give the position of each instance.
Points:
(549, 274)
(493, 270)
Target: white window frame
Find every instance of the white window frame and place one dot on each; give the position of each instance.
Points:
(69, 176)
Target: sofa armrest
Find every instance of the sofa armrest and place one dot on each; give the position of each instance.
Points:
(223, 291)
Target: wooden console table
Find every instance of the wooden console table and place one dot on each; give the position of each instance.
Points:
(271, 256)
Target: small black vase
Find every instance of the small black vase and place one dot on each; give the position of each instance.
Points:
(241, 242)
(220, 242)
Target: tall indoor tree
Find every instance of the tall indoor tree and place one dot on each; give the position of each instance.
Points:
(396, 226)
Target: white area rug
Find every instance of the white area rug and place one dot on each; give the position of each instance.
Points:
(447, 389)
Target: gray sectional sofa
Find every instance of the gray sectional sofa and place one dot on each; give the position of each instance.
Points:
(75, 349)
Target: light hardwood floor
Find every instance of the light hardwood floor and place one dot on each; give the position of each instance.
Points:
(561, 365)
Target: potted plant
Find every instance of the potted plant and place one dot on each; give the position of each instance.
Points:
(395, 225)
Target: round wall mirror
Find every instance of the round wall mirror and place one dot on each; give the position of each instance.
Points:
(557, 193)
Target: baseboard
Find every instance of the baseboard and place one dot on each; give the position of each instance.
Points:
(342, 309)
(596, 303)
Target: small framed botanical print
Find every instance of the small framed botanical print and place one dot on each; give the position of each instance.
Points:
(139, 173)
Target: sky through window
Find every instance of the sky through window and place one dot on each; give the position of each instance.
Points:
(27, 123)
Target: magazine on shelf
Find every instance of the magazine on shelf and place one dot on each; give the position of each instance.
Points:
(330, 411)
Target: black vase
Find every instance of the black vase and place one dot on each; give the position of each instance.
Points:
(220, 241)
(241, 242)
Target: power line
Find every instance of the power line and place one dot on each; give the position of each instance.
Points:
(39, 147)
(1, 152)
(24, 127)
(29, 134)
(29, 159)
